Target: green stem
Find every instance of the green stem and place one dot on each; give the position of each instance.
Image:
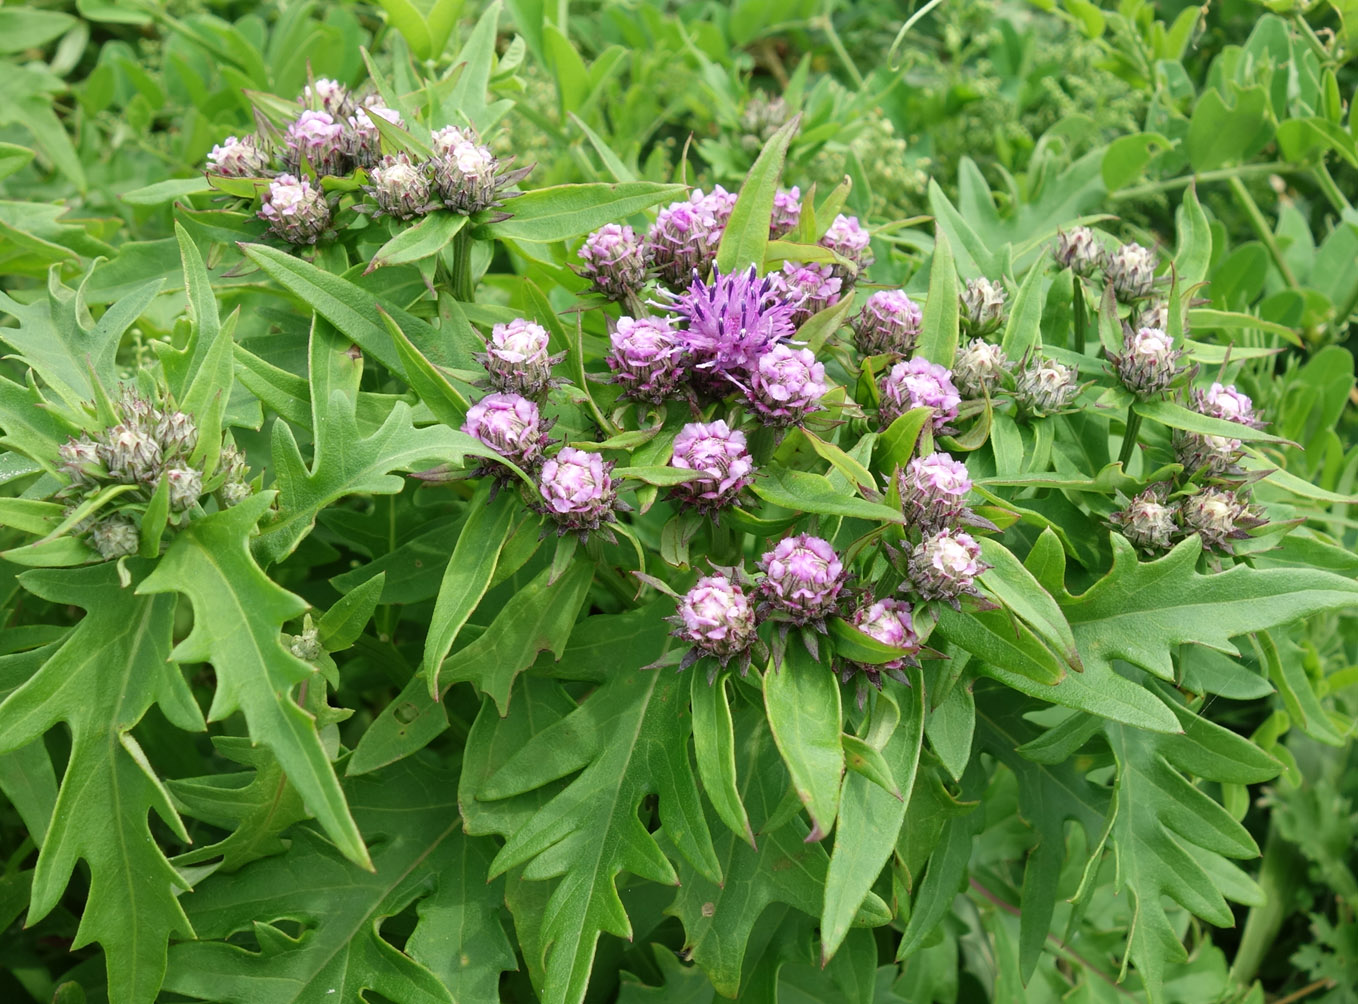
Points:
(1129, 436)
(1263, 230)
(1341, 318)
(826, 25)
(462, 266)
(1080, 319)
(1325, 180)
(1184, 180)
(1277, 875)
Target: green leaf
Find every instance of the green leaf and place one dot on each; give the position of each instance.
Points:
(1126, 158)
(406, 18)
(239, 618)
(166, 191)
(421, 858)
(470, 570)
(1220, 134)
(747, 232)
(1141, 611)
(870, 820)
(805, 492)
(1024, 329)
(341, 625)
(1194, 253)
(1016, 587)
(714, 751)
(939, 331)
(1176, 416)
(627, 741)
(801, 698)
(999, 640)
(424, 240)
(30, 29)
(561, 212)
(102, 679)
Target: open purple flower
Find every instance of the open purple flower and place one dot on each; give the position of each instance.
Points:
(787, 212)
(511, 426)
(517, 358)
(803, 578)
(646, 359)
(732, 321)
(889, 322)
(786, 385)
(578, 491)
(944, 566)
(614, 262)
(810, 288)
(718, 620)
(717, 451)
(294, 210)
(918, 383)
(933, 491)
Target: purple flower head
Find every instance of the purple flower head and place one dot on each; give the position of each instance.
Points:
(399, 188)
(294, 210)
(468, 176)
(847, 237)
(238, 158)
(517, 358)
(719, 203)
(510, 425)
(578, 490)
(365, 142)
(683, 240)
(328, 96)
(889, 322)
(786, 385)
(1219, 516)
(918, 383)
(787, 212)
(1044, 386)
(1078, 249)
(717, 619)
(979, 367)
(1147, 522)
(809, 288)
(944, 566)
(982, 305)
(1148, 363)
(1225, 402)
(889, 622)
(316, 139)
(1217, 454)
(614, 262)
(803, 578)
(646, 359)
(933, 491)
(719, 453)
(1130, 270)
(732, 321)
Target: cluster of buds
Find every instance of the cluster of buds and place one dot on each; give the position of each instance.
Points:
(979, 368)
(614, 262)
(518, 359)
(1148, 520)
(1148, 363)
(400, 188)
(846, 237)
(238, 157)
(717, 619)
(785, 386)
(888, 324)
(1152, 521)
(810, 288)
(890, 622)
(295, 211)
(1130, 270)
(684, 238)
(467, 176)
(933, 492)
(578, 492)
(647, 359)
(982, 305)
(315, 140)
(918, 383)
(1044, 386)
(149, 444)
(512, 426)
(944, 566)
(802, 582)
(787, 212)
(763, 115)
(1215, 455)
(719, 455)
(1078, 250)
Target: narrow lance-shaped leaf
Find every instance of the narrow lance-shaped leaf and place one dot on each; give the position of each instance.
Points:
(940, 329)
(747, 232)
(239, 614)
(109, 671)
(802, 700)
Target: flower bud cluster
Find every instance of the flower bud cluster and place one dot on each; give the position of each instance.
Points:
(1044, 386)
(149, 443)
(1148, 363)
(810, 288)
(1215, 455)
(517, 358)
(1153, 521)
(888, 323)
(1078, 250)
(979, 368)
(719, 456)
(918, 383)
(982, 306)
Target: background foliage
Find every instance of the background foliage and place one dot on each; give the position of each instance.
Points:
(192, 811)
